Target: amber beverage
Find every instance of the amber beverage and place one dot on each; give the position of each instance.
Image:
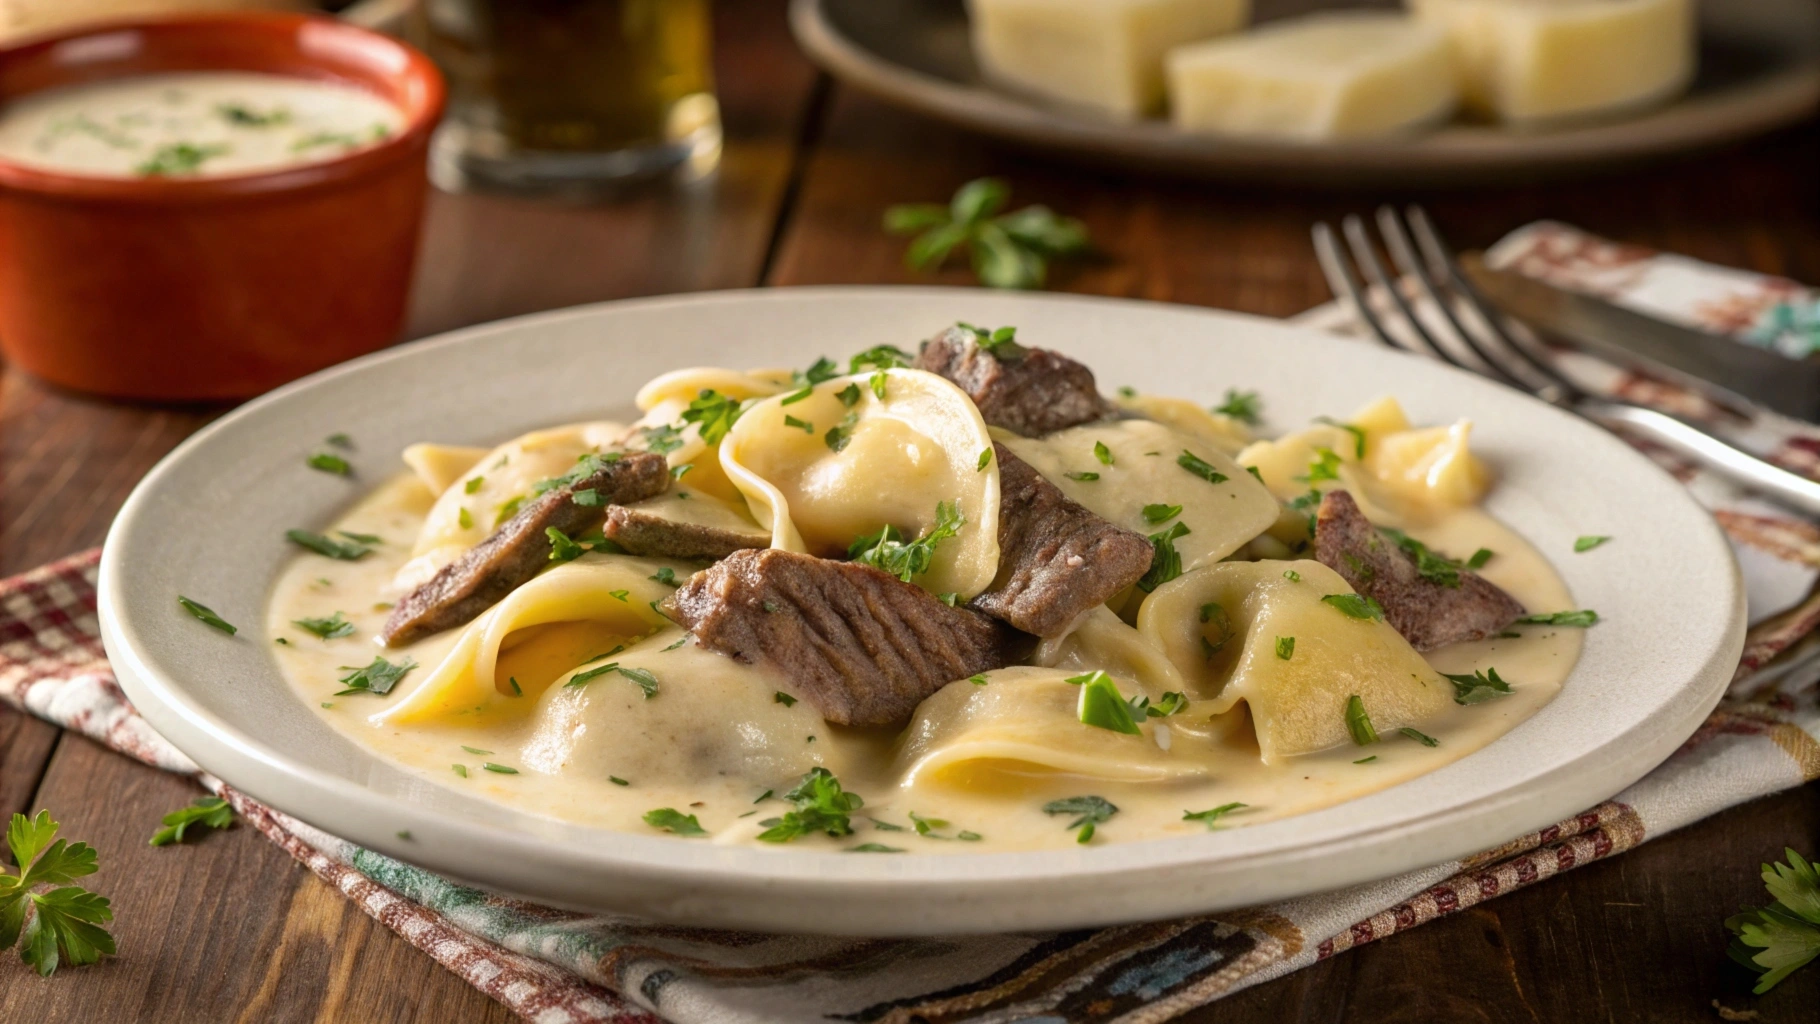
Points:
(555, 92)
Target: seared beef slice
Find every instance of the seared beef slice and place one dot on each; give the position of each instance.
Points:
(1056, 559)
(862, 646)
(645, 533)
(520, 548)
(1031, 391)
(1429, 614)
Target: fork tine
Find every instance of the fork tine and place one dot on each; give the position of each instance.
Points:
(1367, 259)
(1440, 259)
(1403, 254)
(1343, 284)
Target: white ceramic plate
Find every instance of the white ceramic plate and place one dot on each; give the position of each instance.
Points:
(208, 522)
(1759, 69)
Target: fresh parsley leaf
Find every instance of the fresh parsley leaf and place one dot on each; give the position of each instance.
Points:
(670, 819)
(1154, 514)
(780, 697)
(839, 435)
(475, 750)
(880, 381)
(332, 628)
(175, 158)
(583, 678)
(1212, 815)
(680, 641)
(678, 472)
(207, 615)
(1101, 705)
(617, 781)
(473, 484)
(1324, 466)
(347, 552)
(1478, 687)
(978, 680)
(950, 598)
(1358, 723)
(1244, 406)
(459, 769)
(796, 396)
(646, 681)
(820, 805)
(464, 518)
(1430, 565)
(1199, 467)
(880, 357)
(1087, 811)
(1082, 477)
(63, 924)
(1010, 250)
(1285, 647)
(208, 812)
(908, 560)
(1588, 543)
(562, 549)
(1479, 558)
(714, 413)
(328, 462)
(1102, 453)
(1582, 618)
(499, 769)
(1166, 562)
(378, 677)
(1356, 606)
(1420, 737)
(873, 848)
(1779, 939)
(803, 425)
(1358, 435)
(587, 497)
(665, 575)
(849, 396)
(1171, 703)
(1366, 760)
(823, 369)
(1292, 576)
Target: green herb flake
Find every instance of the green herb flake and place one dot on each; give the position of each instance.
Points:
(1102, 453)
(1324, 466)
(500, 768)
(1358, 435)
(474, 484)
(1420, 737)
(475, 750)
(1285, 647)
(1358, 723)
(780, 697)
(1581, 618)
(1087, 812)
(506, 510)
(714, 414)
(587, 497)
(803, 425)
(207, 812)
(562, 549)
(177, 158)
(464, 519)
(340, 441)
(819, 804)
(1430, 565)
(880, 380)
(880, 357)
(678, 472)
(950, 598)
(839, 435)
(1101, 705)
(1356, 606)
(459, 769)
(907, 560)
(1166, 562)
(1199, 467)
(1082, 477)
(1244, 406)
(873, 848)
(617, 781)
(620, 595)
(978, 680)
(206, 615)
(346, 552)
(1588, 543)
(796, 396)
(1479, 558)
(849, 396)
(1366, 760)
(645, 680)
(328, 462)
(669, 819)
(1212, 815)
(823, 369)
(1478, 687)
(517, 690)
(377, 677)
(1154, 514)
(1292, 576)
(984, 460)
(332, 628)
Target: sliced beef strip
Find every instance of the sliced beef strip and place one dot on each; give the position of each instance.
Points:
(1057, 560)
(862, 646)
(1031, 391)
(1427, 613)
(519, 549)
(646, 533)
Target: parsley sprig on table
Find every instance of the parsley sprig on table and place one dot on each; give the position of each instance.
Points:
(1779, 939)
(63, 923)
(209, 812)
(1008, 250)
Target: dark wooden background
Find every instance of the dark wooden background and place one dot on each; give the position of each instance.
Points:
(231, 929)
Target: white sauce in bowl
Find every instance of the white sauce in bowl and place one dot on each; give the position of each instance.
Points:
(205, 124)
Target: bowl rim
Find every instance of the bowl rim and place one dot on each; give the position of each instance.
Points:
(425, 95)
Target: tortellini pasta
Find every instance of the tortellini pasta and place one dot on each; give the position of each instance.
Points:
(1223, 432)
(1260, 632)
(1390, 468)
(438, 466)
(822, 469)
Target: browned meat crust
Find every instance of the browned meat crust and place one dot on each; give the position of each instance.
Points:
(1428, 614)
(862, 646)
(1031, 391)
(520, 548)
(644, 533)
(1056, 559)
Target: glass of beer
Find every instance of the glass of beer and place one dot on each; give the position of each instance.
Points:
(555, 94)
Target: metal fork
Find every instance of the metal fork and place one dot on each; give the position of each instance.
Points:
(1503, 358)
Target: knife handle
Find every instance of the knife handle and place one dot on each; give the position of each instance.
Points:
(1741, 467)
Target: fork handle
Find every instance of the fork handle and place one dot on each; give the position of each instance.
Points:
(1736, 464)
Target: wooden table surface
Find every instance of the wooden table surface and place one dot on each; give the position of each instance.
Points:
(231, 929)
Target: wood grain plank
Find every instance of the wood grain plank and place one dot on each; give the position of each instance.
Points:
(25, 749)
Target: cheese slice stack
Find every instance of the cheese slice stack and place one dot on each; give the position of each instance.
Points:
(1103, 54)
(1335, 75)
(1533, 60)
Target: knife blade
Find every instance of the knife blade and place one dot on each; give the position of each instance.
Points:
(1728, 370)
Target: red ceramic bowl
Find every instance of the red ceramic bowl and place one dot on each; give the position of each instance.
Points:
(213, 288)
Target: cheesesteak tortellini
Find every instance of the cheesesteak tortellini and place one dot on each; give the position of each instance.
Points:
(936, 600)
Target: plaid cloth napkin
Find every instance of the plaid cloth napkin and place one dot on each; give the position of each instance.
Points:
(555, 967)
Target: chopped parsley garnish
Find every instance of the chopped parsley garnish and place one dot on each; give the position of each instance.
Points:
(978, 680)
(1583, 617)
(907, 560)
(678, 472)
(1087, 811)
(332, 628)
(1285, 647)
(1082, 477)
(1779, 939)
(1170, 703)
(1366, 760)
(206, 615)
(586, 466)
(459, 769)
(1431, 566)
(345, 551)
(1212, 815)
(178, 158)
(1479, 558)
(620, 595)
(1356, 606)
(1358, 435)
(661, 439)
(1199, 467)
(235, 113)
(841, 433)
(928, 826)
(880, 357)
(475, 750)
(517, 690)
(1166, 563)
(1244, 406)
(1126, 391)
(617, 781)
(1102, 705)
(665, 575)
(562, 549)
(1588, 543)
(474, 484)
(714, 413)
(796, 396)
(780, 697)
(1256, 474)
(499, 768)
(985, 459)
(507, 509)
(1102, 453)
(1307, 504)
(464, 518)
(873, 848)
(670, 819)
(1211, 612)
(1154, 514)
(951, 598)
(377, 678)
(1292, 576)
(823, 369)
(992, 340)
(643, 677)
(1420, 737)
(208, 812)
(329, 462)
(820, 805)
(1324, 466)
(679, 642)
(64, 924)
(1358, 723)
(1478, 687)
(803, 425)
(880, 381)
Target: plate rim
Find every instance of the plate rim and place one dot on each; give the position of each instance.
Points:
(1437, 157)
(796, 875)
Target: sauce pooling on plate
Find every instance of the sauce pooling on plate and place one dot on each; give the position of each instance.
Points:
(193, 124)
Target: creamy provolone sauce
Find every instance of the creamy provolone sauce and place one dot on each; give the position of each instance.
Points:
(563, 761)
(192, 124)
